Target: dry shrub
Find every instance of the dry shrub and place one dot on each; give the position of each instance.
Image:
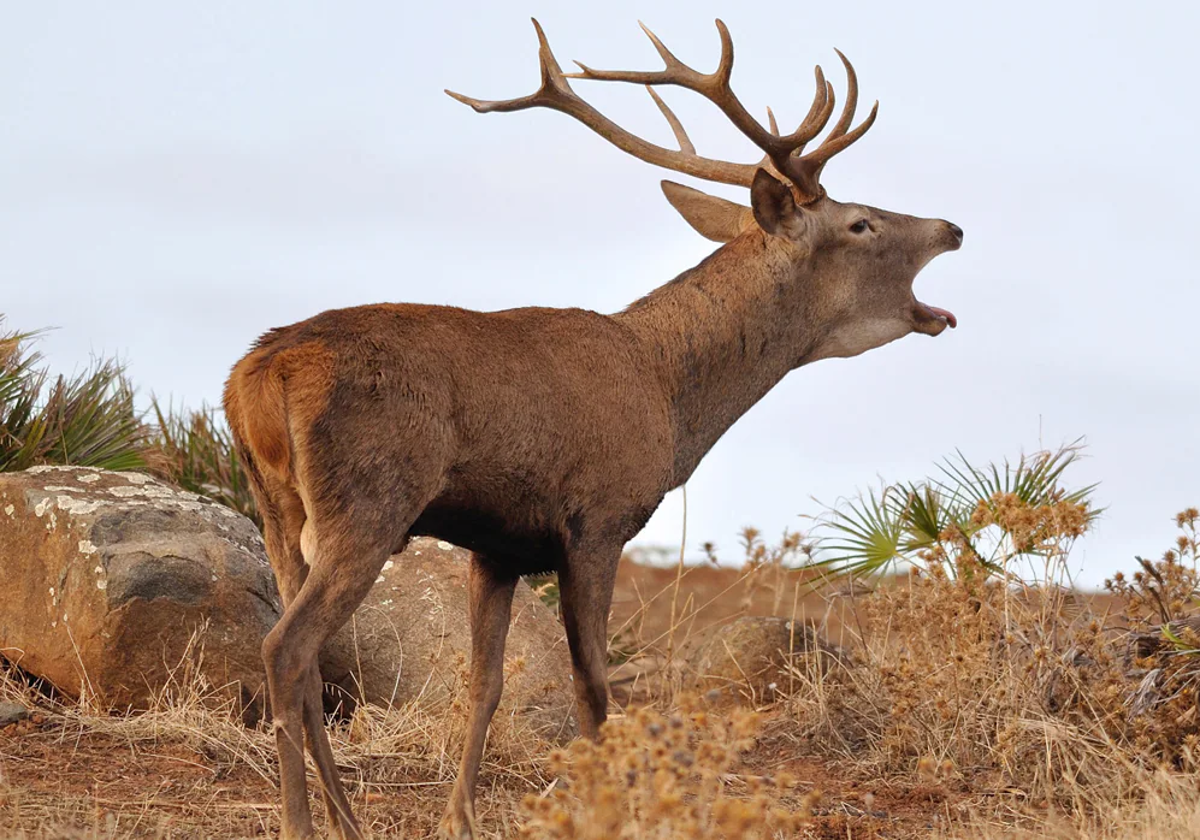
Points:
(768, 566)
(673, 775)
(1018, 692)
(1166, 807)
(664, 776)
(1163, 652)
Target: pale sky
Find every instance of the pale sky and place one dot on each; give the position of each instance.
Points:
(177, 178)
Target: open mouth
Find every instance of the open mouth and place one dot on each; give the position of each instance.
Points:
(931, 320)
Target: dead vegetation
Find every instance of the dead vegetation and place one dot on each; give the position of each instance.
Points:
(975, 703)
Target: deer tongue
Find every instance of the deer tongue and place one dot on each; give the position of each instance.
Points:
(937, 312)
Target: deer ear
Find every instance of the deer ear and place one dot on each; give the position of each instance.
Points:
(713, 218)
(775, 207)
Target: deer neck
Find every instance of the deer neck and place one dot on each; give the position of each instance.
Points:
(720, 336)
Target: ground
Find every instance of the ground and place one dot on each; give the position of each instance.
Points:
(180, 773)
(63, 781)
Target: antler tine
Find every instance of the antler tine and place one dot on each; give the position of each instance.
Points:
(766, 162)
(667, 56)
(843, 123)
(839, 137)
(822, 119)
(723, 97)
(675, 72)
(820, 99)
(685, 142)
(550, 69)
(805, 172)
(818, 113)
(556, 93)
(783, 154)
(725, 66)
(716, 88)
(833, 145)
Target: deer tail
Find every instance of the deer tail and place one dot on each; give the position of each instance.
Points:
(256, 408)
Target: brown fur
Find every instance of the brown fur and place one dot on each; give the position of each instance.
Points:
(541, 439)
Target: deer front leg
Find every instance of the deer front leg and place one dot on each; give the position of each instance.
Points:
(490, 593)
(586, 589)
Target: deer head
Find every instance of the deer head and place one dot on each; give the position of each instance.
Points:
(857, 262)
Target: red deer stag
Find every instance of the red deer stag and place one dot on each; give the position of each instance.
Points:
(543, 439)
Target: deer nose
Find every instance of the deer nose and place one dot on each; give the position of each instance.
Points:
(956, 232)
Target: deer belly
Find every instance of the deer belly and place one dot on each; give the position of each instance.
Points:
(521, 540)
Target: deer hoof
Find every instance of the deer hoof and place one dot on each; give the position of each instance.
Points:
(455, 825)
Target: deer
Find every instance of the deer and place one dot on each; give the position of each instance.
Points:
(542, 439)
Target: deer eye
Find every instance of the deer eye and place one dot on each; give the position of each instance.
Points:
(861, 226)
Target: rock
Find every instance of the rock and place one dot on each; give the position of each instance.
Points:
(107, 578)
(12, 713)
(752, 656)
(411, 640)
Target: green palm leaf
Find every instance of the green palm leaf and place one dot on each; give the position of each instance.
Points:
(867, 535)
(196, 451)
(88, 420)
(924, 516)
(904, 522)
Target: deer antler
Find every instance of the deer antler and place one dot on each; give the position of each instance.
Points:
(782, 153)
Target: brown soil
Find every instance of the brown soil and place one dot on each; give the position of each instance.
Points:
(63, 777)
(63, 781)
(59, 780)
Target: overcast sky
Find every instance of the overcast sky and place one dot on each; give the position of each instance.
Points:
(177, 178)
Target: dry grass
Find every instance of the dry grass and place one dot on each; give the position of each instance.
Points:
(189, 768)
(1043, 716)
(976, 705)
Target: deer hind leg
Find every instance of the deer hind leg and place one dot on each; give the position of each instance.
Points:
(283, 518)
(291, 545)
(586, 588)
(346, 565)
(338, 813)
(490, 593)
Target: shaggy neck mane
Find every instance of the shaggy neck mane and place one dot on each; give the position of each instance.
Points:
(720, 336)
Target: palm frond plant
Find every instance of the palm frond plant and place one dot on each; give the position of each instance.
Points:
(20, 383)
(194, 449)
(90, 420)
(85, 420)
(967, 520)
